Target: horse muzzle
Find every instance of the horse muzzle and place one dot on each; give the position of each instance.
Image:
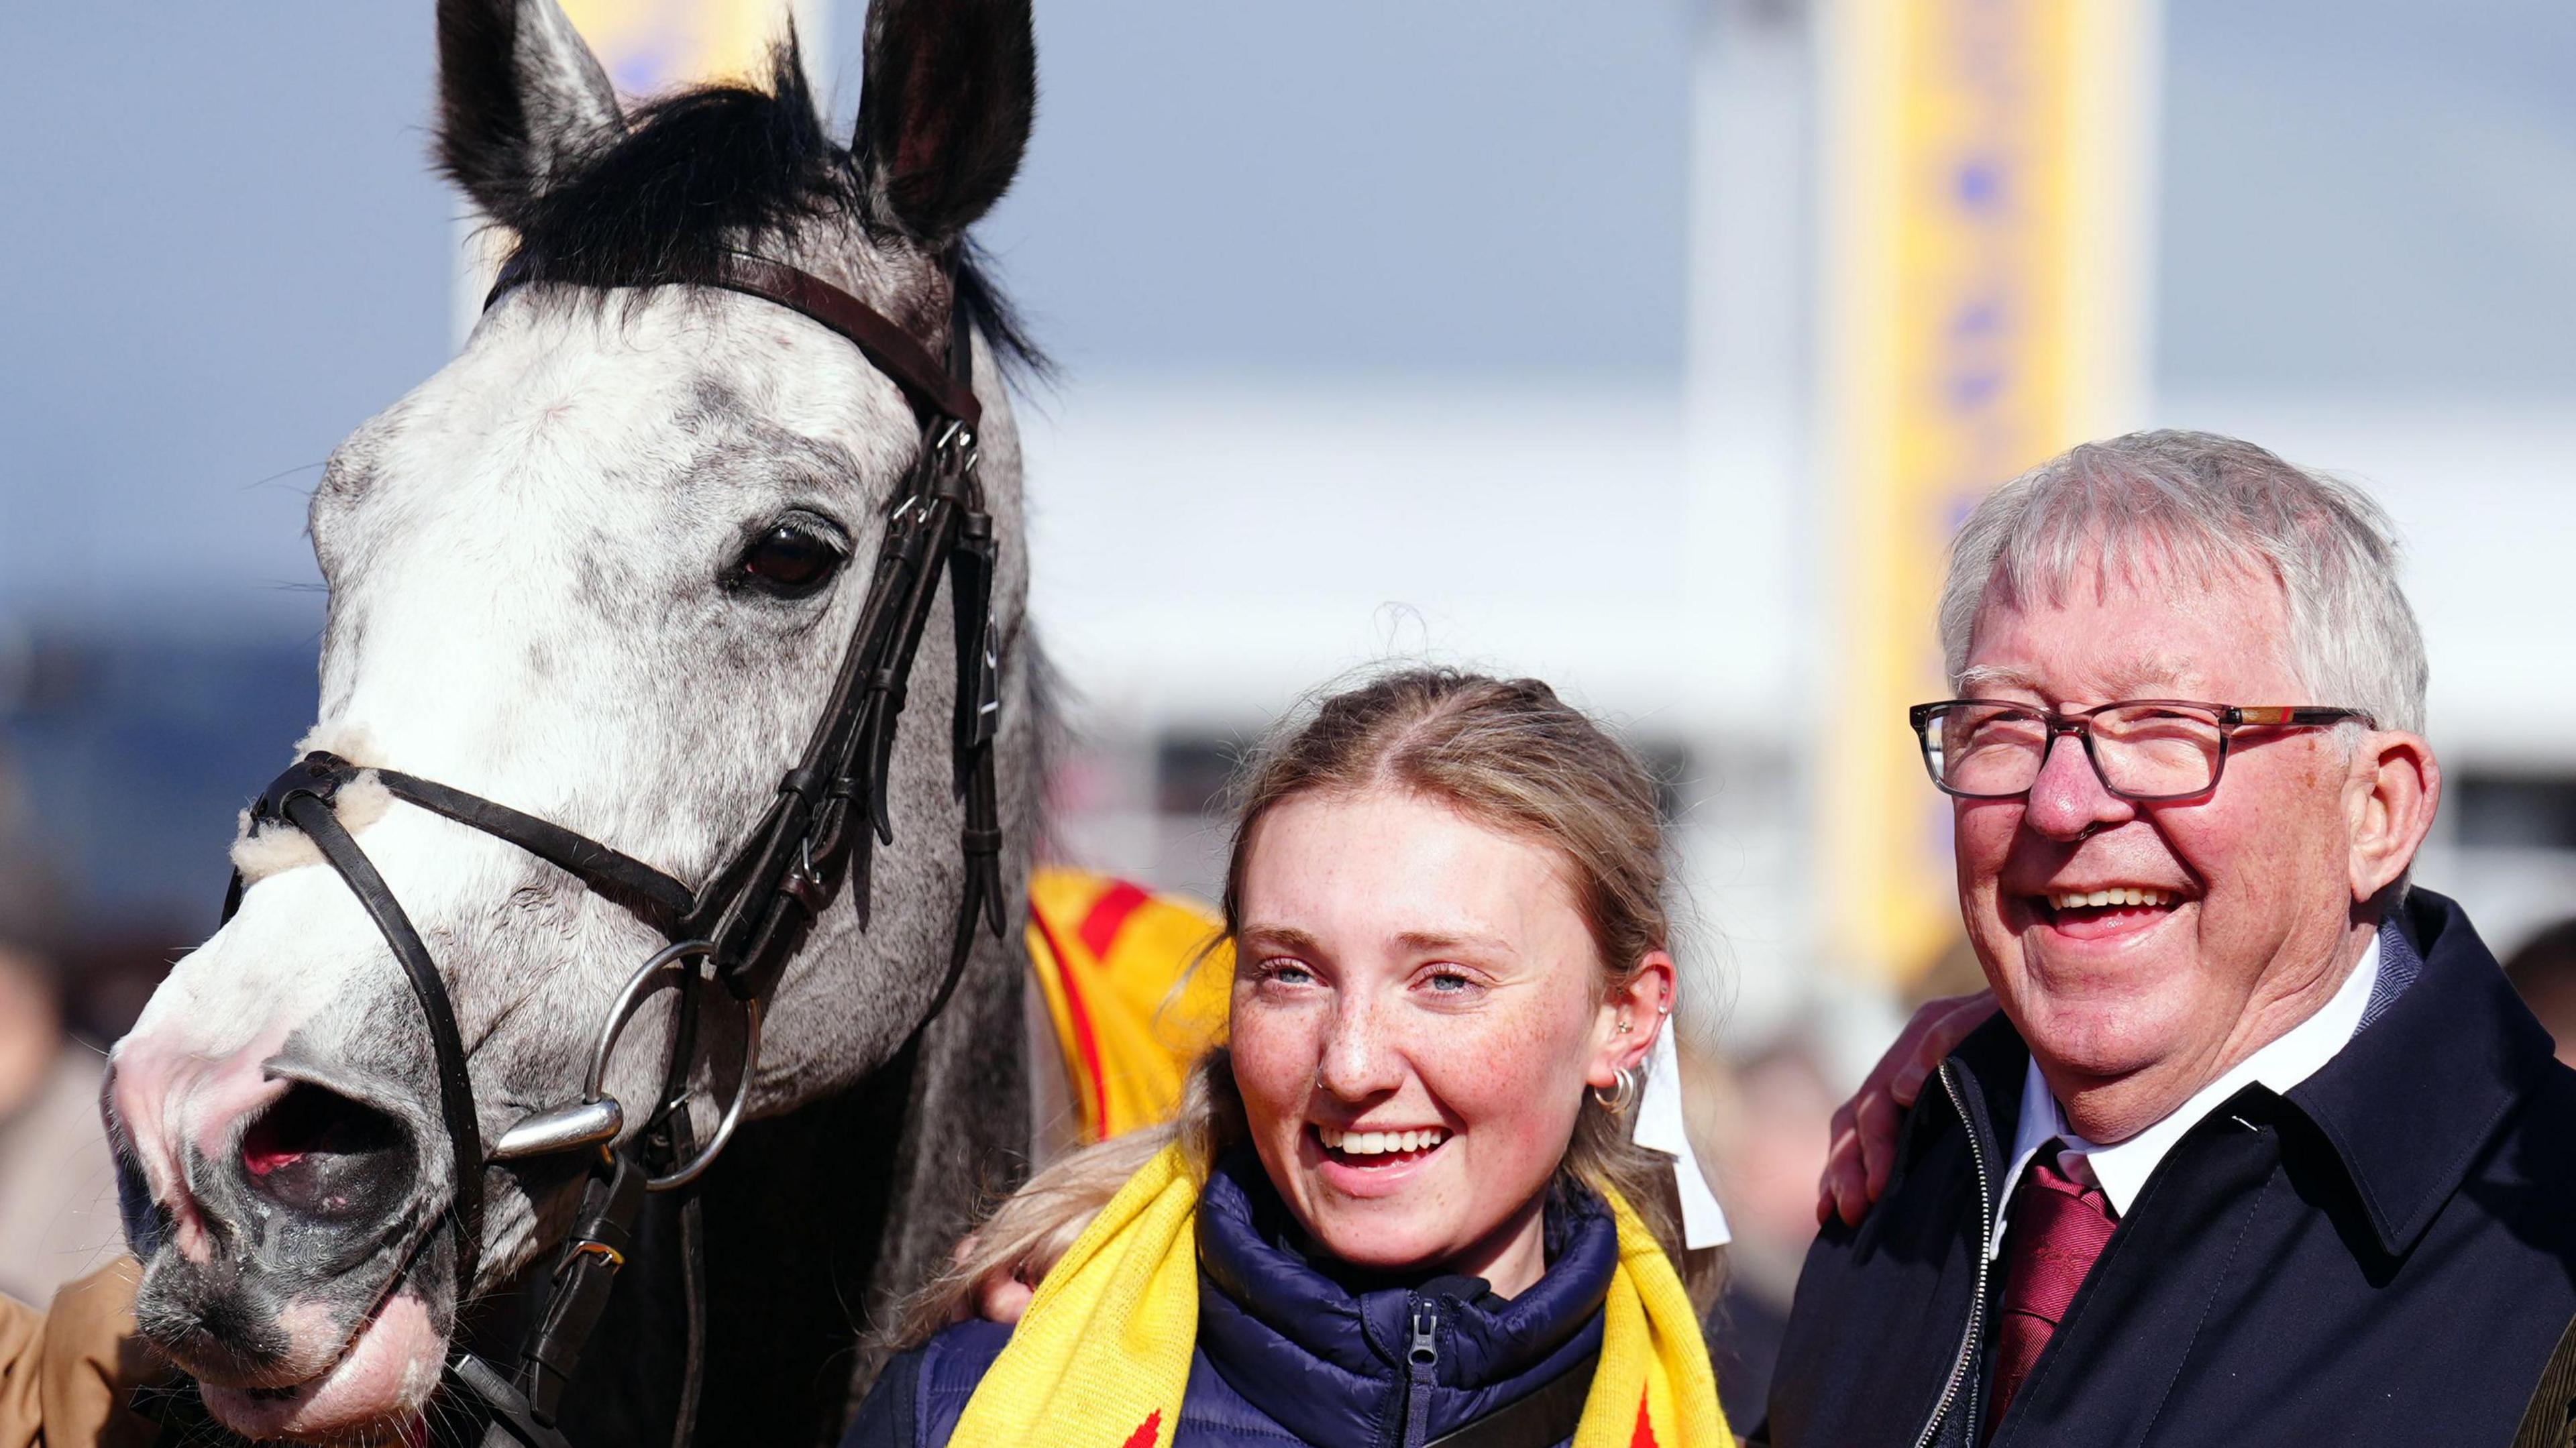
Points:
(292, 1258)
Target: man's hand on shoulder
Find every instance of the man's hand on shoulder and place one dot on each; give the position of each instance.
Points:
(1865, 1127)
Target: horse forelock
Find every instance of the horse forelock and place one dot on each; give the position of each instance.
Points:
(720, 169)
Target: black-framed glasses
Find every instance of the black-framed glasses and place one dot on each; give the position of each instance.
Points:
(2146, 751)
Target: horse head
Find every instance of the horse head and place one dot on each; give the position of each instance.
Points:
(602, 569)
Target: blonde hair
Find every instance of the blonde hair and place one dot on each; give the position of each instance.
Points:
(1507, 753)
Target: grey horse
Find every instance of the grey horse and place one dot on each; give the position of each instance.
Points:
(601, 568)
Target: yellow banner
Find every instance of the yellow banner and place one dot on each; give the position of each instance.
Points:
(1986, 202)
(652, 46)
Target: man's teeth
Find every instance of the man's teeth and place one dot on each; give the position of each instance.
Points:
(2079, 899)
(1378, 1143)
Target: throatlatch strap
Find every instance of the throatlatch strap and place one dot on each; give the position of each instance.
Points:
(972, 561)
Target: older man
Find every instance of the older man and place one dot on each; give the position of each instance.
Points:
(2262, 1148)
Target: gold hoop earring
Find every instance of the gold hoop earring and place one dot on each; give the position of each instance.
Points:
(1622, 1095)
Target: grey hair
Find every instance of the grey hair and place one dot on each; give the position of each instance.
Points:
(2192, 508)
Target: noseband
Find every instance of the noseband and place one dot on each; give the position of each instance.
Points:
(739, 928)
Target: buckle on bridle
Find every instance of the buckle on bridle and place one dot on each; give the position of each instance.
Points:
(955, 444)
(806, 882)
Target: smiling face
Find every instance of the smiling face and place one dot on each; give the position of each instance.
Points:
(2246, 918)
(1418, 1009)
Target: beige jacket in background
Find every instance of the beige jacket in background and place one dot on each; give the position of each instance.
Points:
(67, 1375)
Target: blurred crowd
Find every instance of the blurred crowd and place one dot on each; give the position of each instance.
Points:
(66, 993)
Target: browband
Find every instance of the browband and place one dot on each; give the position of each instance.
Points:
(926, 384)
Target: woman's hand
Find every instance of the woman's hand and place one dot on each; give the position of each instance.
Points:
(1864, 1131)
(1002, 1294)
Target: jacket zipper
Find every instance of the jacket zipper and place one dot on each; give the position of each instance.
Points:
(1965, 1363)
(1419, 1364)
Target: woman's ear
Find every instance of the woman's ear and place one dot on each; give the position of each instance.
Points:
(1631, 1017)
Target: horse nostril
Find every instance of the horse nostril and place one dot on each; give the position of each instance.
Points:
(320, 1154)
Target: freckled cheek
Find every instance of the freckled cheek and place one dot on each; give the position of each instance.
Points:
(1275, 1054)
(1512, 1076)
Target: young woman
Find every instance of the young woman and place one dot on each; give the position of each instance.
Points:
(1401, 1206)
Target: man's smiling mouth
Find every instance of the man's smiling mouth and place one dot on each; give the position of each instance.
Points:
(2096, 899)
(2104, 912)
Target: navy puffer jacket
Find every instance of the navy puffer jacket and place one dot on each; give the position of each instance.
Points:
(1289, 1355)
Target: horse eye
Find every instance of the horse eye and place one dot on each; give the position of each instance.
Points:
(789, 562)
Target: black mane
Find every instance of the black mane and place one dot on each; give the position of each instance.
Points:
(699, 174)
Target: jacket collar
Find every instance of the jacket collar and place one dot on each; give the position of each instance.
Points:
(1323, 1357)
(2445, 1052)
(1992, 1064)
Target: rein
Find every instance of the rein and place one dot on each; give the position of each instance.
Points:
(740, 927)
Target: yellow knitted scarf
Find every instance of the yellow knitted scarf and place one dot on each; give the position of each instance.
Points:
(1103, 1353)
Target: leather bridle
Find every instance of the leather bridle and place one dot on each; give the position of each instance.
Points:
(743, 924)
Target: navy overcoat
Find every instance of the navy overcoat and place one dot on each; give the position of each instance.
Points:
(2385, 1255)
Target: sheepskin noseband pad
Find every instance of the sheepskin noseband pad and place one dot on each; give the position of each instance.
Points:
(265, 847)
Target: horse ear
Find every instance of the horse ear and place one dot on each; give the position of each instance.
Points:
(944, 110)
(522, 101)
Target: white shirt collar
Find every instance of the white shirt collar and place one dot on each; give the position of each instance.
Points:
(2122, 1168)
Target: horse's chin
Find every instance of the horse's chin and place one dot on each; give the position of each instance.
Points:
(372, 1394)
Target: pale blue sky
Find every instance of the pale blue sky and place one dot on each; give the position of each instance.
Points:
(224, 246)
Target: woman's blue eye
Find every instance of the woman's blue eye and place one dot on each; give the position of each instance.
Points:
(1286, 972)
(1449, 982)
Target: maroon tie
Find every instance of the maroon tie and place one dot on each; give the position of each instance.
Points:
(2057, 1230)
